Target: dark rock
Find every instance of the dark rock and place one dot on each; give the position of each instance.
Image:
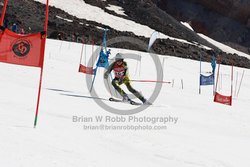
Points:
(223, 20)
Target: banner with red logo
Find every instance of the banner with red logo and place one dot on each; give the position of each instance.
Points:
(25, 50)
(223, 99)
(22, 49)
(87, 70)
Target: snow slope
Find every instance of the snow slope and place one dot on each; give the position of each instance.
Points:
(206, 134)
(187, 25)
(83, 10)
(117, 9)
(224, 47)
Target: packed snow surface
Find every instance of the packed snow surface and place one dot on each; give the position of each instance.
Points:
(197, 131)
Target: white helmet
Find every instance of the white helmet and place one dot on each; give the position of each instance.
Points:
(118, 56)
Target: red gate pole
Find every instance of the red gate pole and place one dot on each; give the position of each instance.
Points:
(42, 53)
(4, 11)
(232, 84)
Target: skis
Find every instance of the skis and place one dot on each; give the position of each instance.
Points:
(129, 102)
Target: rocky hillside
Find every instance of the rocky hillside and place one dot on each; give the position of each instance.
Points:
(29, 15)
(227, 21)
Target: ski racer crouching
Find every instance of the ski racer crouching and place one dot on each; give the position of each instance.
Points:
(120, 69)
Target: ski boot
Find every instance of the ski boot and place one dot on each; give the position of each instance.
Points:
(126, 99)
(146, 102)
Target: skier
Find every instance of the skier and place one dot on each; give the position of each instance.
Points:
(6, 23)
(109, 53)
(22, 31)
(120, 69)
(14, 28)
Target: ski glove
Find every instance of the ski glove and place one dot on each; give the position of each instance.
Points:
(120, 80)
(106, 75)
